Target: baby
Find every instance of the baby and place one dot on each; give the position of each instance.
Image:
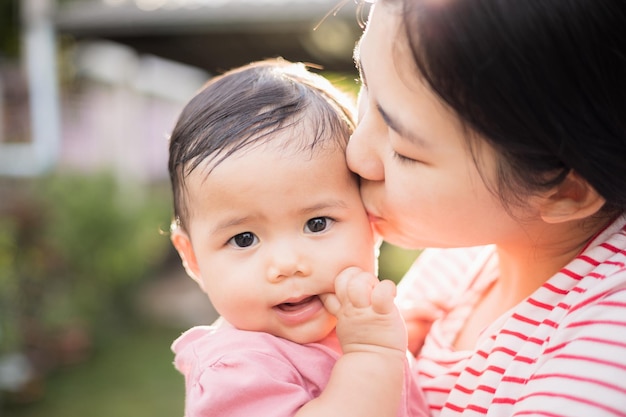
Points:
(270, 224)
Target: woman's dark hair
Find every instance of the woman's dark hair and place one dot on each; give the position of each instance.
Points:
(245, 107)
(544, 81)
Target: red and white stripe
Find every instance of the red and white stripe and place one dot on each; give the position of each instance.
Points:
(561, 352)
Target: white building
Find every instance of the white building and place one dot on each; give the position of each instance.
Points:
(105, 79)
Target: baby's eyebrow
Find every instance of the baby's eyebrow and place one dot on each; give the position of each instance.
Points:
(230, 222)
(334, 203)
(314, 208)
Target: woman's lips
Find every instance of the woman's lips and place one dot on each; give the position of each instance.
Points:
(373, 218)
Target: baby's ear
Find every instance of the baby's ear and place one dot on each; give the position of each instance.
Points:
(573, 199)
(182, 243)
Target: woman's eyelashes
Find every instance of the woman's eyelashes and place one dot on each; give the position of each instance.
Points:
(404, 159)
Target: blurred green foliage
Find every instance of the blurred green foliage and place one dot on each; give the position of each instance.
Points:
(394, 261)
(105, 238)
(73, 248)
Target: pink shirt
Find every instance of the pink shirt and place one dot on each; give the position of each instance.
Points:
(560, 352)
(236, 373)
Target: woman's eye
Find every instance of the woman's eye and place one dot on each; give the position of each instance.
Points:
(403, 159)
(243, 240)
(317, 224)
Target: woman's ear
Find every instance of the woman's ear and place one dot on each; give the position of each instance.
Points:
(182, 243)
(573, 199)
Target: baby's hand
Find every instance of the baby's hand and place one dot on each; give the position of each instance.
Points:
(367, 317)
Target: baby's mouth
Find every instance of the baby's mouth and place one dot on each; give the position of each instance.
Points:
(296, 305)
(297, 311)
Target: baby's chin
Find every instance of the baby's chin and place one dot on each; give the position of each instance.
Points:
(320, 329)
(304, 335)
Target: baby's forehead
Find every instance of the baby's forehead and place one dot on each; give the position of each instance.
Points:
(299, 140)
(273, 169)
(305, 140)
(287, 144)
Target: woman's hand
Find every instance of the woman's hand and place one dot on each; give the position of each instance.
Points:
(418, 320)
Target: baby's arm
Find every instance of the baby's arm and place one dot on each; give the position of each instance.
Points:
(367, 380)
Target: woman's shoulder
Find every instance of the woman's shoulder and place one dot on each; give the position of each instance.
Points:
(601, 266)
(440, 275)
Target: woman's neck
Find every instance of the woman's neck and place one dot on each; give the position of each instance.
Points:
(523, 268)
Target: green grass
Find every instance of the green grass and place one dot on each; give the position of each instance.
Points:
(131, 375)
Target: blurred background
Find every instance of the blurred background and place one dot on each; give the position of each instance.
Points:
(91, 292)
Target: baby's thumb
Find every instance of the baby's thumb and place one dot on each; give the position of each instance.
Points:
(331, 303)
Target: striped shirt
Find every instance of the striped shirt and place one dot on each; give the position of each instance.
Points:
(561, 352)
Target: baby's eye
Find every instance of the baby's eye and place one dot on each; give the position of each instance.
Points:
(318, 224)
(243, 240)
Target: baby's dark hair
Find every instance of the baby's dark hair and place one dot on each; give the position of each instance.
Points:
(246, 107)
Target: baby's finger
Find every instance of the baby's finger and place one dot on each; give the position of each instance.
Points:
(383, 295)
(360, 289)
(342, 281)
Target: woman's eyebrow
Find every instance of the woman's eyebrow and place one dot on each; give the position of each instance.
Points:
(401, 130)
(392, 123)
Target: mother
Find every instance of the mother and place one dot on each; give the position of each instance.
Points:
(499, 127)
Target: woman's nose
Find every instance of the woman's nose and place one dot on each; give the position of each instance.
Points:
(362, 153)
(287, 260)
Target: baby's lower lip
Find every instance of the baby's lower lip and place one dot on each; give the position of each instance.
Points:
(299, 312)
